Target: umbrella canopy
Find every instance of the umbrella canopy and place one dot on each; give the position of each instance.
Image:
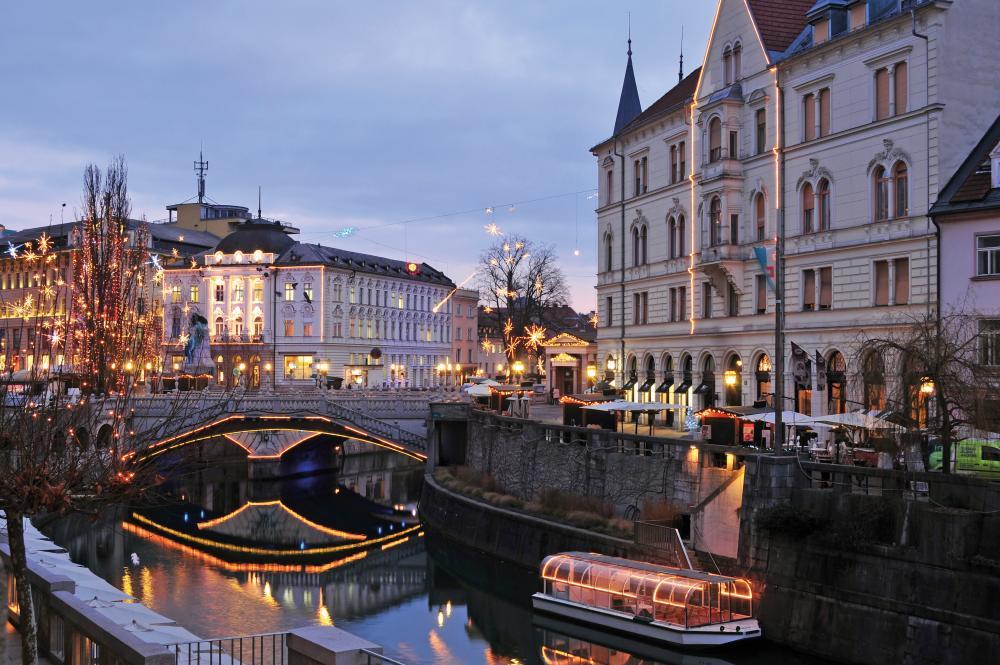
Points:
(858, 420)
(478, 390)
(788, 418)
(622, 405)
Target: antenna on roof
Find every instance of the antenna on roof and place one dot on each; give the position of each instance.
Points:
(258, 203)
(630, 34)
(680, 72)
(200, 167)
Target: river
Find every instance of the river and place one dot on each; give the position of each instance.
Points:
(424, 598)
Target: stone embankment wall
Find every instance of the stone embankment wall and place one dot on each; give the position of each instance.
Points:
(865, 566)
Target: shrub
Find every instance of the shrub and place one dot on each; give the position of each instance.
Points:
(584, 519)
(658, 509)
(559, 503)
(471, 476)
(508, 501)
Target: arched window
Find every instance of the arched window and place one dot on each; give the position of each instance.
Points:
(681, 236)
(220, 326)
(760, 216)
(707, 386)
(635, 246)
(715, 140)
(727, 66)
(763, 376)
(715, 221)
(836, 383)
(609, 249)
(642, 244)
(808, 209)
(900, 183)
(737, 62)
(238, 326)
(258, 326)
(880, 187)
(672, 238)
(733, 381)
(823, 205)
(873, 379)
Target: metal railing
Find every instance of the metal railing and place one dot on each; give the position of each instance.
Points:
(374, 658)
(260, 649)
(666, 540)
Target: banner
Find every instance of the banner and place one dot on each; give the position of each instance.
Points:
(761, 254)
(820, 372)
(800, 366)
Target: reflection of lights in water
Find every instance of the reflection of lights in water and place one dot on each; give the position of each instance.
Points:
(447, 609)
(439, 648)
(127, 582)
(440, 619)
(324, 617)
(267, 589)
(146, 584)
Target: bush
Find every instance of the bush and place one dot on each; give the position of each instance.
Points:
(785, 518)
(508, 501)
(660, 510)
(584, 519)
(559, 503)
(471, 476)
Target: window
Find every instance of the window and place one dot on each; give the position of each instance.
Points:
(809, 117)
(220, 292)
(238, 326)
(609, 250)
(825, 288)
(988, 256)
(899, 181)
(674, 177)
(734, 229)
(824, 112)
(289, 292)
(194, 294)
(639, 237)
(808, 290)
(609, 186)
(823, 196)
(672, 238)
(175, 326)
(258, 326)
(298, 367)
(899, 75)
(645, 174)
(458, 334)
(642, 245)
(732, 301)
(880, 183)
(761, 124)
(714, 140)
(673, 305)
(734, 145)
(638, 179)
(901, 281)
(715, 221)
(808, 209)
(682, 303)
(609, 311)
(220, 326)
(640, 308)
(706, 300)
(737, 62)
(682, 156)
(989, 342)
(307, 292)
(681, 236)
(882, 94)
(727, 66)
(175, 293)
(307, 329)
(881, 283)
(760, 294)
(258, 291)
(352, 296)
(760, 217)
(289, 328)
(238, 291)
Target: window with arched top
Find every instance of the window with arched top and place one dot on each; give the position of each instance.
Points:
(737, 62)
(873, 381)
(823, 205)
(836, 383)
(609, 251)
(258, 326)
(715, 221)
(238, 325)
(672, 238)
(760, 216)
(715, 139)
(880, 187)
(727, 66)
(808, 209)
(762, 374)
(681, 236)
(635, 246)
(643, 238)
(220, 326)
(900, 183)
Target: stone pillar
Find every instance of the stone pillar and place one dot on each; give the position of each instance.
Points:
(326, 645)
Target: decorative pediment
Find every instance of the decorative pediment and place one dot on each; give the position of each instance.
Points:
(288, 309)
(814, 174)
(565, 339)
(563, 358)
(308, 277)
(308, 309)
(608, 162)
(889, 155)
(675, 210)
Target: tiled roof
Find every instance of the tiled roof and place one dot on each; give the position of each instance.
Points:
(306, 253)
(779, 21)
(674, 98)
(971, 186)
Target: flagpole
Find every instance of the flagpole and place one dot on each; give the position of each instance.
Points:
(779, 279)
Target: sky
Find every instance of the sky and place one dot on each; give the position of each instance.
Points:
(346, 114)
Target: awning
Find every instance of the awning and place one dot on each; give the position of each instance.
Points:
(705, 388)
(629, 384)
(647, 384)
(683, 387)
(665, 386)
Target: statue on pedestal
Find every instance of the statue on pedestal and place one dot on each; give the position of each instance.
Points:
(197, 353)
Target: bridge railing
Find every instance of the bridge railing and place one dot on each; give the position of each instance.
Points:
(377, 426)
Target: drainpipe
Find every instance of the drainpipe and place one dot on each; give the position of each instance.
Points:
(621, 357)
(927, 124)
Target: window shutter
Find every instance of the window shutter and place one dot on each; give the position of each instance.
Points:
(825, 288)
(881, 94)
(902, 278)
(881, 283)
(808, 289)
(901, 75)
(809, 117)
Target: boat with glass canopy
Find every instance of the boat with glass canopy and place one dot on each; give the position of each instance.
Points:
(659, 603)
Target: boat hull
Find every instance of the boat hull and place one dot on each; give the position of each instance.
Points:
(715, 635)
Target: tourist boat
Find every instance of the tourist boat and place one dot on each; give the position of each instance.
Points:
(658, 603)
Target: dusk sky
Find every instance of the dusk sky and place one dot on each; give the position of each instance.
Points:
(347, 114)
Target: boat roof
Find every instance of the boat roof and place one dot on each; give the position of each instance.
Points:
(647, 567)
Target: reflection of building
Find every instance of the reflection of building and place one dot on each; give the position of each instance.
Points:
(567, 359)
(692, 190)
(284, 312)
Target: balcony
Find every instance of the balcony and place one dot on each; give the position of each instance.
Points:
(721, 165)
(723, 265)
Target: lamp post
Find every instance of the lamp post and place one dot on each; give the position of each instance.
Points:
(591, 375)
(611, 366)
(518, 368)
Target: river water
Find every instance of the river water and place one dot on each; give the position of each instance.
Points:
(424, 598)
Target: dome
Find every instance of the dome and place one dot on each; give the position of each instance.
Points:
(253, 235)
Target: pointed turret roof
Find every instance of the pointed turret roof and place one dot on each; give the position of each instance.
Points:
(628, 106)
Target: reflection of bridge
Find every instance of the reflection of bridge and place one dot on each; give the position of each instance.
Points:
(268, 426)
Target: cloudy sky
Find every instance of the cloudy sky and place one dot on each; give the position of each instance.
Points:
(353, 114)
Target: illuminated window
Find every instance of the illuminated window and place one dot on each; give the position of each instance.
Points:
(307, 292)
(258, 291)
(195, 294)
(289, 328)
(220, 326)
(220, 292)
(298, 367)
(258, 256)
(258, 326)
(289, 292)
(175, 293)
(238, 257)
(238, 291)
(238, 326)
(307, 329)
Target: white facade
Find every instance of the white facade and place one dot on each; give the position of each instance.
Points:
(853, 160)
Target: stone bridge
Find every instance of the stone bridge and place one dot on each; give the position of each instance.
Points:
(269, 425)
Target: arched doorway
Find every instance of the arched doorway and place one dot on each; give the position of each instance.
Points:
(873, 381)
(762, 377)
(665, 387)
(836, 383)
(707, 386)
(253, 373)
(682, 395)
(633, 378)
(803, 386)
(648, 386)
(733, 381)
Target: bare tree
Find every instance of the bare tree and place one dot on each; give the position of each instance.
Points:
(519, 281)
(944, 385)
(77, 359)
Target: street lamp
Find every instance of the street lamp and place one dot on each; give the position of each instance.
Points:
(518, 368)
(730, 378)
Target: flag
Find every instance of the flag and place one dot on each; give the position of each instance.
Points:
(800, 365)
(761, 254)
(820, 372)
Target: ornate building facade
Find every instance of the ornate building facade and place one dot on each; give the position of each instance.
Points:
(824, 122)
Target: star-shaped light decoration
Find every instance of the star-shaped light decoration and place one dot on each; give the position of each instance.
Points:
(12, 249)
(487, 309)
(44, 243)
(486, 345)
(493, 229)
(518, 245)
(29, 254)
(194, 263)
(346, 232)
(174, 253)
(183, 339)
(534, 335)
(512, 346)
(508, 326)
(595, 319)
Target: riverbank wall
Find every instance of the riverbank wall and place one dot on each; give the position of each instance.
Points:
(908, 561)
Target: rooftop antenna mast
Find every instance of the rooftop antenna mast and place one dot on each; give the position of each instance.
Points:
(258, 203)
(680, 73)
(630, 34)
(200, 167)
